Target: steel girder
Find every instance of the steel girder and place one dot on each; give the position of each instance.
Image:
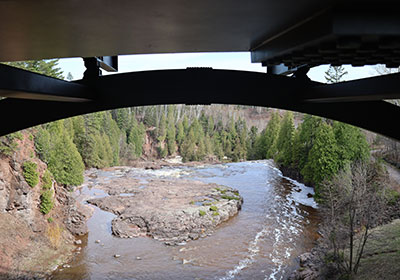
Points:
(43, 99)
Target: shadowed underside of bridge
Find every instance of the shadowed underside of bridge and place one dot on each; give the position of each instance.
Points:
(288, 37)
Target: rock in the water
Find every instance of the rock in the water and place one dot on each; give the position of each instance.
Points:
(173, 211)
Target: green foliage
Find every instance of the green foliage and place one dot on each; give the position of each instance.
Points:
(322, 161)
(8, 145)
(171, 131)
(65, 162)
(265, 144)
(352, 144)
(284, 143)
(42, 144)
(46, 201)
(162, 129)
(304, 140)
(46, 180)
(229, 197)
(391, 196)
(202, 213)
(44, 67)
(213, 208)
(30, 173)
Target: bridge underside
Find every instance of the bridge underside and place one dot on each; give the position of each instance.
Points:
(40, 99)
(285, 36)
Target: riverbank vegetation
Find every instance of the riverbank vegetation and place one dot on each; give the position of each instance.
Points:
(331, 156)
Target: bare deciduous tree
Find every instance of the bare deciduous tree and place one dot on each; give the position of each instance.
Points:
(354, 202)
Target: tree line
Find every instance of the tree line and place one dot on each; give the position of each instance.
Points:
(317, 149)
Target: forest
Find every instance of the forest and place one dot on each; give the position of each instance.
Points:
(316, 148)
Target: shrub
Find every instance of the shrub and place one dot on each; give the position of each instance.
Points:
(8, 145)
(215, 213)
(46, 180)
(202, 213)
(46, 201)
(30, 174)
(392, 196)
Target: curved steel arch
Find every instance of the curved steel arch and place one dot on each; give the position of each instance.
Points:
(358, 102)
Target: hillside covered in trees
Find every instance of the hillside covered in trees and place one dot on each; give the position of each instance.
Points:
(314, 147)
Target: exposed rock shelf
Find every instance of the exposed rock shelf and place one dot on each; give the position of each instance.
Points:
(169, 210)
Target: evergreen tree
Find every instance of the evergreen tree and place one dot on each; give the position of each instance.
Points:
(285, 139)
(65, 162)
(188, 149)
(251, 144)
(322, 162)
(185, 124)
(210, 127)
(121, 116)
(162, 129)
(43, 144)
(217, 149)
(352, 143)
(44, 67)
(271, 135)
(171, 131)
(335, 74)
(180, 135)
(70, 77)
(304, 140)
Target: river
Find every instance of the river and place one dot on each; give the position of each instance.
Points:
(277, 223)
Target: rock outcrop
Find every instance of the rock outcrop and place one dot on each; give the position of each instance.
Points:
(169, 210)
(31, 243)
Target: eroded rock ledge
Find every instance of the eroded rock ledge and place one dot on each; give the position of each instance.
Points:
(170, 210)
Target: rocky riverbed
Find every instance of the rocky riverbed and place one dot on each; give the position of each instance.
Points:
(173, 211)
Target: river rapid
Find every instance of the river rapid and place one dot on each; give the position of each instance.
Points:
(277, 222)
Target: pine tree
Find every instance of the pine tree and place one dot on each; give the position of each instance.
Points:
(271, 135)
(44, 67)
(180, 135)
(162, 129)
(70, 77)
(251, 144)
(171, 131)
(304, 140)
(65, 162)
(188, 148)
(335, 74)
(43, 144)
(351, 142)
(323, 161)
(285, 139)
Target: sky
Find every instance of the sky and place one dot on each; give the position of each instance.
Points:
(231, 61)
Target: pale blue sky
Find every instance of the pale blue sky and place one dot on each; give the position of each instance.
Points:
(233, 61)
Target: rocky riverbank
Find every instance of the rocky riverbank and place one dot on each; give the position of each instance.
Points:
(167, 209)
(33, 244)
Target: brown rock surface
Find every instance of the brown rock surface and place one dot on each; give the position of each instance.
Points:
(169, 210)
(32, 244)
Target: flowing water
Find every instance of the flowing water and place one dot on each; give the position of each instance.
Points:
(277, 223)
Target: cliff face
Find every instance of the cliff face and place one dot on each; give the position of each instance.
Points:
(32, 243)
